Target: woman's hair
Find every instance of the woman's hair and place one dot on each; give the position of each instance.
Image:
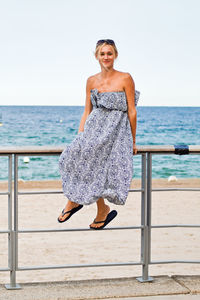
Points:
(102, 43)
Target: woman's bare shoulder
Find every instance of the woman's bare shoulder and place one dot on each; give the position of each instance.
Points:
(91, 81)
(125, 79)
(124, 75)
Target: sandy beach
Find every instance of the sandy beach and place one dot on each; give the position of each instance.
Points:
(41, 211)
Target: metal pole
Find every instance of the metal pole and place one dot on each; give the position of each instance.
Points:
(13, 251)
(9, 210)
(16, 206)
(143, 220)
(149, 188)
(145, 242)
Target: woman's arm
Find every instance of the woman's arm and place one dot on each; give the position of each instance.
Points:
(132, 113)
(88, 105)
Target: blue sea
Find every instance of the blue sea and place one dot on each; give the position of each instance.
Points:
(58, 125)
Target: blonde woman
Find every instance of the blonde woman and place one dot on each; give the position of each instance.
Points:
(97, 165)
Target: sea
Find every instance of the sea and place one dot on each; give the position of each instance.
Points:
(58, 126)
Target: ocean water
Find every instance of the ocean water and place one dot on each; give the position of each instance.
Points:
(58, 125)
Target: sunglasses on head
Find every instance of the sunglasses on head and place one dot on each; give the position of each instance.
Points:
(109, 42)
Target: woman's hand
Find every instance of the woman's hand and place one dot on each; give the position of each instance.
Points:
(134, 149)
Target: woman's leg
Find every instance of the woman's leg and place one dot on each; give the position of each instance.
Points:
(68, 207)
(102, 212)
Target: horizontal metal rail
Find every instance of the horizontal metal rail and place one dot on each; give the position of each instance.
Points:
(76, 229)
(40, 192)
(131, 190)
(55, 150)
(79, 266)
(176, 189)
(146, 190)
(5, 269)
(58, 192)
(159, 262)
(175, 225)
(5, 231)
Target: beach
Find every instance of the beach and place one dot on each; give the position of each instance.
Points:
(41, 211)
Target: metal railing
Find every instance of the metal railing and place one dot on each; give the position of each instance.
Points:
(146, 153)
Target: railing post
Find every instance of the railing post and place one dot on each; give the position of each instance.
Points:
(9, 210)
(145, 218)
(149, 191)
(13, 237)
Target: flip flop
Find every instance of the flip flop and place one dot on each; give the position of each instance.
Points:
(108, 219)
(71, 212)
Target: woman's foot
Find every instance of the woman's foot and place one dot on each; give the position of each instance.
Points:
(102, 213)
(66, 211)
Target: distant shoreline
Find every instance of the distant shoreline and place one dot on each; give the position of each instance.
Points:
(136, 183)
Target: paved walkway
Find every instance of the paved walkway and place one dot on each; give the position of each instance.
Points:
(162, 288)
(174, 297)
(170, 297)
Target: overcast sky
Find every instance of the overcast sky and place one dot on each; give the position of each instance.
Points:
(47, 49)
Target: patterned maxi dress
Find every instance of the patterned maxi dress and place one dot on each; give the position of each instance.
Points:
(98, 162)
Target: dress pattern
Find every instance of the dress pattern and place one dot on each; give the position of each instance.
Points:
(98, 162)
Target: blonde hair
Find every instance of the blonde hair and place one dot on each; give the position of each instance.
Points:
(98, 48)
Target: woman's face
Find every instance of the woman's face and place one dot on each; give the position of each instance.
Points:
(106, 56)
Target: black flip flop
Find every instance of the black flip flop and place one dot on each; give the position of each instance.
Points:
(71, 212)
(108, 219)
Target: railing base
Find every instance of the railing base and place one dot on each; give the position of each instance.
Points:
(10, 287)
(149, 279)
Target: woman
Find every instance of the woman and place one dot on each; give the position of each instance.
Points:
(98, 162)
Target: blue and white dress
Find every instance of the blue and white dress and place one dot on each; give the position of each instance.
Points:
(99, 161)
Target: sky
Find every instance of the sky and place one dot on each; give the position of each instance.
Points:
(47, 49)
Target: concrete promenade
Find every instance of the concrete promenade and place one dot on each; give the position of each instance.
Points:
(162, 288)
